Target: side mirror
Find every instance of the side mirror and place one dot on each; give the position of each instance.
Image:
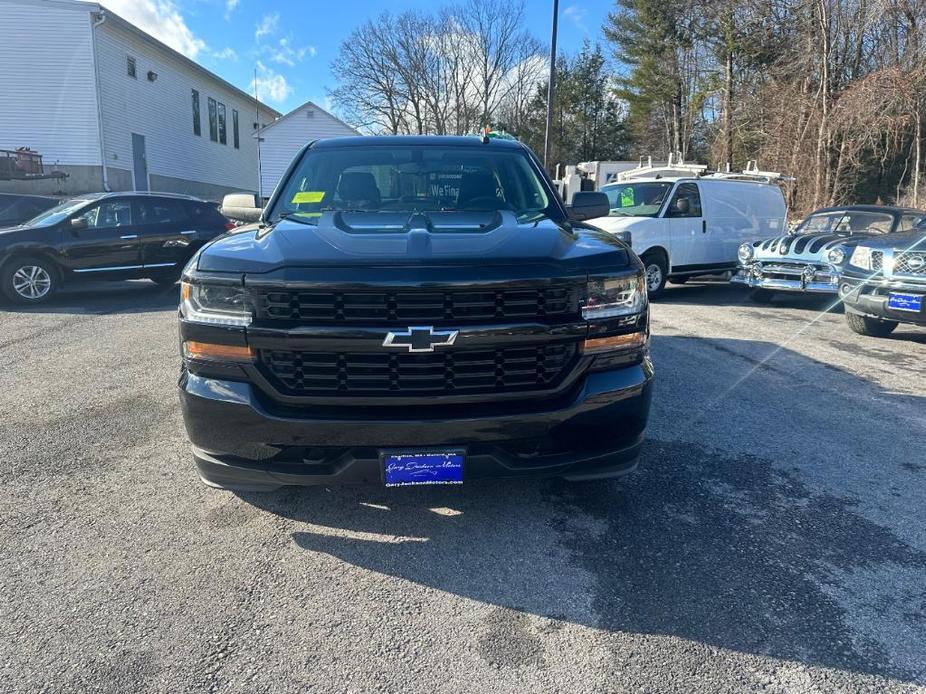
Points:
(626, 237)
(242, 206)
(588, 205)
(78, 223)
(682, 206)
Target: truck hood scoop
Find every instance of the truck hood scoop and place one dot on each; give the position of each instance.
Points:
(404, 222)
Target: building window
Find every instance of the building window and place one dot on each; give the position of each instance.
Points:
(235, 129)
(130, 67)
(213, 121)
(197, 129)
(222, 131)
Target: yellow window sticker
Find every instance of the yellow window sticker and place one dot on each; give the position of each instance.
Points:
(308, 196)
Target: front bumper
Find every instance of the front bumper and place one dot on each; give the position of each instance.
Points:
(868, 296)
(240, 443)
(787, 278)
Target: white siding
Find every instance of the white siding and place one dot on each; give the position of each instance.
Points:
(47, 93)
(162, 112)
(283, 139)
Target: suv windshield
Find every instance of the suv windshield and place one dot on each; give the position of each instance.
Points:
(850, 222)
(56, 213)
(636, 199)
(414, 178)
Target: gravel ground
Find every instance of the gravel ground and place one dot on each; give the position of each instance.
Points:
(772, 541)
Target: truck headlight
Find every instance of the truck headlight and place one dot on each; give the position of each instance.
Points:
(836, 255)
(745, 252)
(215, 304)
(618, 296)
(861, 257)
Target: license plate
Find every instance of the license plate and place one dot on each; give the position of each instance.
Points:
(425, 467)
(905, 302)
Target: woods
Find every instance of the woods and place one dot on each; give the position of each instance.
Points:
(831, 92)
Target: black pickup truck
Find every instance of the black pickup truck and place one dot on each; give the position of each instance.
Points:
(415, 310)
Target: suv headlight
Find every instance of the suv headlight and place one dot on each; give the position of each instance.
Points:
(618, 296)
(836, 255)
(745, 252)
(216, 304)
(861, 257)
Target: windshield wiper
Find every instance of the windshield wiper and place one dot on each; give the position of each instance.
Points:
(296, 217)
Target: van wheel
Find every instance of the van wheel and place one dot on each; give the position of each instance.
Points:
(872, 327)
(655, 272)
(762, 296)
(28, 280)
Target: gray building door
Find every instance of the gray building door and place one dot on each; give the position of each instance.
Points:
(140, 160)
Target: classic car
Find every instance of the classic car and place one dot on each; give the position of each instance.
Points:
(808, 259)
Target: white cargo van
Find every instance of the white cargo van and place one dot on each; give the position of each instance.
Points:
(683, 224)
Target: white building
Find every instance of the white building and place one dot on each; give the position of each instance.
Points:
(282, 139)
(116, 109)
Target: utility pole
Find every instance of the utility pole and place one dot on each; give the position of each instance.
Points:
(551, 85)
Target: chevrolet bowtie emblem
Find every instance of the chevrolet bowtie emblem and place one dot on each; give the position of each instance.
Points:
(421, 339)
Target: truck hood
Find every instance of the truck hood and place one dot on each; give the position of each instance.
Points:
(803, 247)
(906, 240)
(363, 239)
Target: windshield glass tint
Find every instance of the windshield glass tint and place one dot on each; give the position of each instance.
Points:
(414, 179)
(846, 223)
(636, 199)
(56, 213)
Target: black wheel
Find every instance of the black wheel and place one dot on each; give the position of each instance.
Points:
(872, 327)
(28, 280)
(762, 296)
(678, 280)
(656, 273)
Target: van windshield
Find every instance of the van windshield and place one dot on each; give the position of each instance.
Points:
(414, 178)
(636, 199)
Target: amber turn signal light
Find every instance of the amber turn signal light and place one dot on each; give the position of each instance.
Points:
(606, 344)
(214, 352)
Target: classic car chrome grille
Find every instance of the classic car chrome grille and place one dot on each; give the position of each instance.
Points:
(411, 306)
(909, 263)
(450, 372)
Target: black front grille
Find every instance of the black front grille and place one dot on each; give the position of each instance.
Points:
(417, 306)
(450, 372)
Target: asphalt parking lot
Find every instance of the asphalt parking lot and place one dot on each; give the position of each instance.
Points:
(773, 539)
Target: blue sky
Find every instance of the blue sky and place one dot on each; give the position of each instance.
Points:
(292, 42)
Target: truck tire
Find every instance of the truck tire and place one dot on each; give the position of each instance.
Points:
(872, 327)
(655, 273)
(28, 280)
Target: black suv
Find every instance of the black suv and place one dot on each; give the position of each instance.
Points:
(415, 310)
(105, 236)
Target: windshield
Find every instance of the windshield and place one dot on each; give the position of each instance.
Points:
(850, 222)
(414, 178)
(56, 213)
(636, 199)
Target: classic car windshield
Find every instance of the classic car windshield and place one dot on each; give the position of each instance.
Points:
(847, 222)
(636, 199)
(414, 179)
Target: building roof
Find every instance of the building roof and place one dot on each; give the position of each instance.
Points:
(298, 109)
(98, 8)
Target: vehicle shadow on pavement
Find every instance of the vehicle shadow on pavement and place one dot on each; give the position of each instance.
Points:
(129, 296)
(718, 293)
(729, 549)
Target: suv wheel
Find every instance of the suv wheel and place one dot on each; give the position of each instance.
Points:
(872, 327)
(655, 272)
(28, 280)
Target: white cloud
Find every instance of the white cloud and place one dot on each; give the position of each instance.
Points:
(230, 6)
(576, 15)
(270, 85)
(284, 54)
(161, 19)
(268, 25)
(227, 53)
